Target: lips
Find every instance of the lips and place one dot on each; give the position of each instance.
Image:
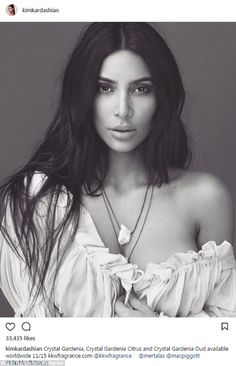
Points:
(122, 129)
(122, 133)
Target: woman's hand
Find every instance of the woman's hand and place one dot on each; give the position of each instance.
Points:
(134, 308)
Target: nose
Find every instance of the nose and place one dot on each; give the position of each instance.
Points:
(123, 108)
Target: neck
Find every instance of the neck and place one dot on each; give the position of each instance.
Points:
(126, 171)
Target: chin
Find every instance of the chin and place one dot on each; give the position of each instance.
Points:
(123, 148)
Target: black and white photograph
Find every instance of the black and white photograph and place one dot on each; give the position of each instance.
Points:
(118, 183)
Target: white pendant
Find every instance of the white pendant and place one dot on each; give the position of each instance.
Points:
(124, 235)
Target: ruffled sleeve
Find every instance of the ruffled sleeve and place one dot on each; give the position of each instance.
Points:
(89, 278)
(222, 300)
(85, 285)
(192, 283)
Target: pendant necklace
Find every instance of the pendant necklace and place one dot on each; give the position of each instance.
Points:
(125, 234)
(142, 227)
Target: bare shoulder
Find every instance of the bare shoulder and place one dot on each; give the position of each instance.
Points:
(201, 186)
(208, 201)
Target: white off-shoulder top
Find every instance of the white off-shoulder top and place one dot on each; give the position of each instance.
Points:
(90, 278)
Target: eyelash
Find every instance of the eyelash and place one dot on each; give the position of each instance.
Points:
(147, 89)
(100, 86)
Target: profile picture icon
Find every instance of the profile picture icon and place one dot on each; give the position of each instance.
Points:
(11, 9)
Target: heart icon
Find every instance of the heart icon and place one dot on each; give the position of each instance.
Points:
(10, 326)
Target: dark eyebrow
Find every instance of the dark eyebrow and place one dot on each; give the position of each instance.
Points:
(146, 78)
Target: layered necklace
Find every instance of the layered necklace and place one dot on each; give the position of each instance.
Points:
(122, 232)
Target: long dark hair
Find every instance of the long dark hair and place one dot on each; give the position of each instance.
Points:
(73, 157)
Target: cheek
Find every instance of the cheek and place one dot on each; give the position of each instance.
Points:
(98, 114)
(101, 116)
(146, 110)
(151, 106)
(102, 108)
(97, 108)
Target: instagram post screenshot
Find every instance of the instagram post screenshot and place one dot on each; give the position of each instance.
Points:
(117, 183)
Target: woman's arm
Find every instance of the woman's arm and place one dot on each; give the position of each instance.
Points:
(213, 210)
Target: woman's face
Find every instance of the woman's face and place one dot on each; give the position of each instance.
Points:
(10, 10)
(125, 101)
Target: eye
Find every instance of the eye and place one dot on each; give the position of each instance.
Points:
(105, 88)
(142, 89)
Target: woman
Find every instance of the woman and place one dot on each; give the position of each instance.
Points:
(93, 222)
(11, 10)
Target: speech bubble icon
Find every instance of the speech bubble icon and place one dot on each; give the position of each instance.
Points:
(10, 326)
(26, 326)
(224, 325)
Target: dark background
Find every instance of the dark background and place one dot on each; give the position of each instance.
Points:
(33, 57)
